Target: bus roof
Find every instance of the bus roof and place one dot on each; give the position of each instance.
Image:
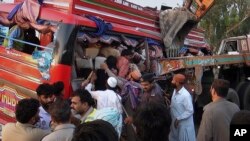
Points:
(53, 14)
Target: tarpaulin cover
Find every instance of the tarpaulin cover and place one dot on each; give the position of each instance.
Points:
(196, 38)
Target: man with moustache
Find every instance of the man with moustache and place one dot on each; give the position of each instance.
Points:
(83, 104)
(27, 111)
(45, 96)
(151, 90)
(181, 107)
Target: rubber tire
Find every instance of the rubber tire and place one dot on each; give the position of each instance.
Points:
(241, 90)
(232, 96)
(206, 81)
(246, 98)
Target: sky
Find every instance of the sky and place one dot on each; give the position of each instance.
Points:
(158, 3)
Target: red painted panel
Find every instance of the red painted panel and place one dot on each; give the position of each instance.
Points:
(154, 27)
(19, 80)
(9, 97)
(20, 68)
(146, 18)
(5, 118)
(54, 15)
(62, 73)
(50, 14)
(149, 14)
(121, 22)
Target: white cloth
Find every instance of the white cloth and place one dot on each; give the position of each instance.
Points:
(45, 118)
(105, 99)
(182, 110)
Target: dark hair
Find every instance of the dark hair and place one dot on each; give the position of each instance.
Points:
(84, 96)
(30, 32)
(26, 109)
(126, 52)
(241, 117)
(101, 79)
(221, 87)
(152, 48)
(152, 121)
(44, 89)
(111, 62)
(148, 77)
(58, 88)
(137, 59)
(60, 111)
(97, 130)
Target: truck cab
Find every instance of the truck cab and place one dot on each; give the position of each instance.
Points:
(237, 70)
(64, 24)
(235, 45)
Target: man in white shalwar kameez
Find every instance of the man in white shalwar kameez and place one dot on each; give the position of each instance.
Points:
(182, 126)
(107, 98)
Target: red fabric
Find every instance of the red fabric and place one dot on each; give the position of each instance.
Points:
(123, 66)
(179, 78)
(45, 39)
(196, 38)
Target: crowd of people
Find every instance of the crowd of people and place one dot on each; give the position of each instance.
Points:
(128, 106)
(120, 101)
(118, 114)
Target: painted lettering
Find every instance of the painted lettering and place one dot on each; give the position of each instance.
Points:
(8, 100)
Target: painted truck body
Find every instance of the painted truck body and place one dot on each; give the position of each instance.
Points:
(20, 74)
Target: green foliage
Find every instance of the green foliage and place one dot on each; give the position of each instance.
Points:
(225, 19)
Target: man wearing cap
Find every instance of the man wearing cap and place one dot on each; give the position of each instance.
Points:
(130, 93)
(182, 126)
(108, 97)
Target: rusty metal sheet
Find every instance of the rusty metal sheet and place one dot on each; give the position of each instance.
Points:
(213, 60)
(168, 66)
(243, 45)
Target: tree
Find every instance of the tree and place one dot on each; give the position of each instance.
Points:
(224, 17)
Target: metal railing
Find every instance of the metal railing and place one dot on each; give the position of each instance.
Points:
(21, 41)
